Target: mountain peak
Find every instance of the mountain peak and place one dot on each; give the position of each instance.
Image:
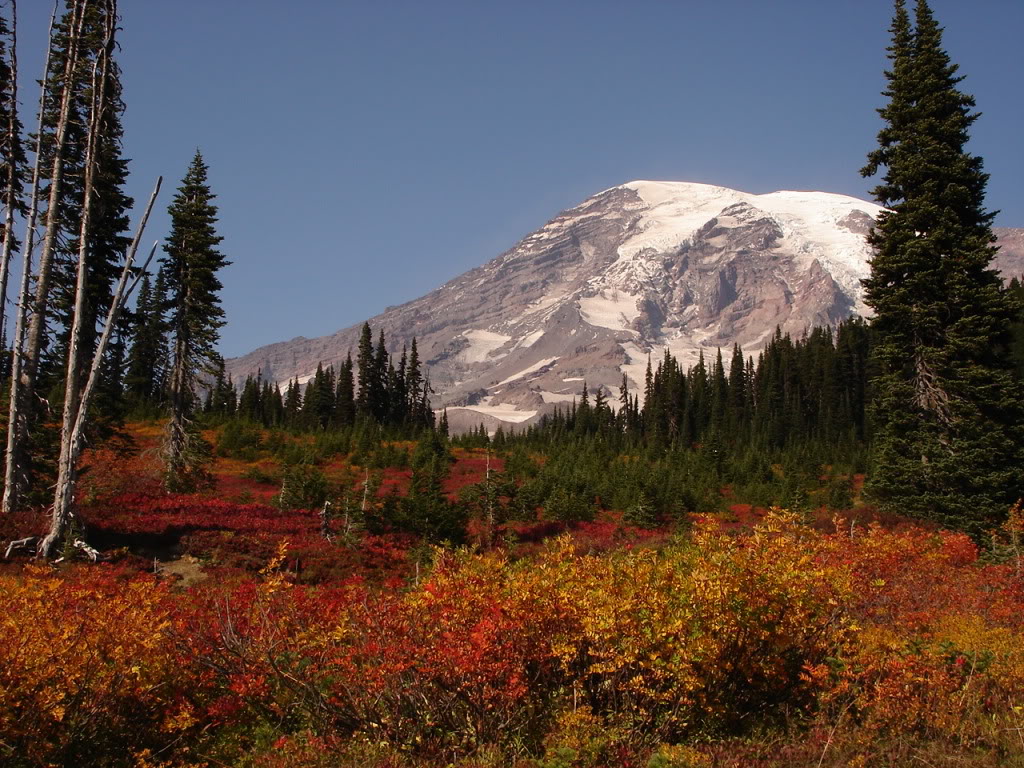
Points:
(631, 271)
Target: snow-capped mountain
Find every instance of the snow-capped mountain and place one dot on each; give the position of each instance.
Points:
(625, 274)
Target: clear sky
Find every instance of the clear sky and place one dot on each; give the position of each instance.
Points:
(365, 152)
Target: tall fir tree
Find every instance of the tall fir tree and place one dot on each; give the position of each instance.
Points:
(946, 407)
(345, 413)
(222, 398)
(293, 404)
(147, 354)
(379, 381)
(250, 403)
(190, 272)
(365, 404)
(414, 386)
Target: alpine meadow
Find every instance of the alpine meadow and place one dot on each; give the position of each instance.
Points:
(687, 477)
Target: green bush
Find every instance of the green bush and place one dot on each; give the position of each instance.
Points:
(238, 440)
(303, 486)
(566, 506)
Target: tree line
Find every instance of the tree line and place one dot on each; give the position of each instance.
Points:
(377, 388)
(809, 390)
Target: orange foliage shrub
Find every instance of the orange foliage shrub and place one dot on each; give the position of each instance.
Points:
(880, 641)
(86, 668)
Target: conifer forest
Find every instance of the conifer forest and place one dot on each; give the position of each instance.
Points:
(808, 554)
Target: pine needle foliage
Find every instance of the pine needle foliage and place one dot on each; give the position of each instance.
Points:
(946, 405)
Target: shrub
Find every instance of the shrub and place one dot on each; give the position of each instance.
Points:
(303, 486)
(566, 506)
(239, 440)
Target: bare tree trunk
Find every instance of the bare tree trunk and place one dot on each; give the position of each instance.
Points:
(64, 496)
(13, 472)
(10, 193)
(325, 521)
(177, 444)
(63, 505)
(17, 430)
(490, 501)
(366, 494)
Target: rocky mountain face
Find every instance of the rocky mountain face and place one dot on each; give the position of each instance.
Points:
(629, 272)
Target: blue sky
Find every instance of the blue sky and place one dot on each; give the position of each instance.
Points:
(363, 153)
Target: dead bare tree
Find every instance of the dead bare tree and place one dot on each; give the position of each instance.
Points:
(65, 467)
(325, 521)
(72, 430)
(489, 491)
(27, 350)
(14, 161)
(13, 475)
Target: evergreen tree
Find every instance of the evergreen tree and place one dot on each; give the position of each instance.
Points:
(318, 399)
(699, 386)
(601, 414)
(397, 384)
(414, 386)
(110, 400)
(147, 356)
(379, 394)
(190, 269)
(345, 413)
(738, 388)
(946, 407)
(1017, 329)
(223, 400)
(365, 404)
(719, 396)
(249, 406)
(624, 417)
(293, 403)
(583, 420)
(273, 405)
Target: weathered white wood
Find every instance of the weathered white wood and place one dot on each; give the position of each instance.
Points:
(325, 521)
(76, 437)
(93, 554)
(13, 476)
(22, 387)
(10, 198)
(63, 501)
(25, 543)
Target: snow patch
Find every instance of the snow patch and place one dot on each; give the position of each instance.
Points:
(530, 339)
(675, 211)
(527, 371)
(609, 309)
(482, 345)
(541, 304)
(503, 412)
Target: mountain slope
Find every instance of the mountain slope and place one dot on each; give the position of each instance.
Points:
(629, 272)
